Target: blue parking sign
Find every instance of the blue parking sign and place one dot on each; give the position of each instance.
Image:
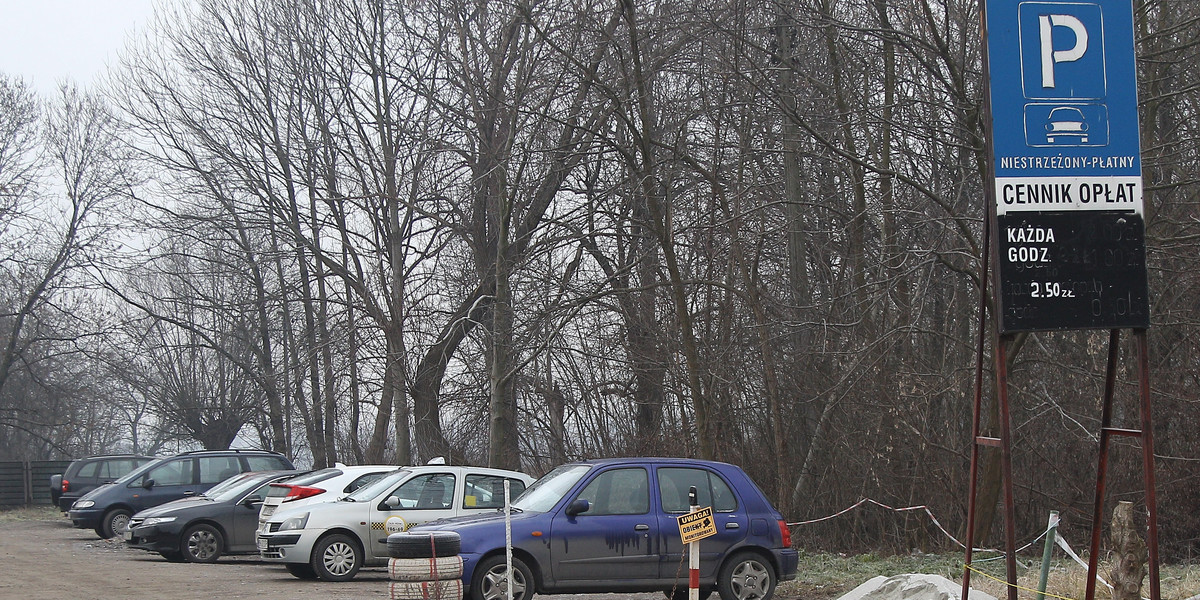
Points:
(1063, 91)
(1068, 223)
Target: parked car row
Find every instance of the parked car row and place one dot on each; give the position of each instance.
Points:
(591, 526)
(107, 508)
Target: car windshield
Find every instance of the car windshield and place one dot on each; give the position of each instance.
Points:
(138, 471)
(368, 492)
(234, 487)
(547, 491)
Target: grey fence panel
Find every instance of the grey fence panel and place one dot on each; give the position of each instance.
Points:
(27, 483)
(12, 484)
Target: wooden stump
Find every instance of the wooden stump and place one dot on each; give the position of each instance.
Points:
(1129, 554)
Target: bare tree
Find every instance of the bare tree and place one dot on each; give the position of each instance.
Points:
(63, 172)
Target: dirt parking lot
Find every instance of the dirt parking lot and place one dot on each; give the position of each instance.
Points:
(44, 558)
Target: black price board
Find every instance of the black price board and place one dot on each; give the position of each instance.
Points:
(1076, 270)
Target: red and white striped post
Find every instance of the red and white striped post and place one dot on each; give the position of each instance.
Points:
(693, 553)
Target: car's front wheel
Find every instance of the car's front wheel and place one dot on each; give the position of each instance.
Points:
(202, 544)
(746, 576)
(336, 558)
(490, 581)
(114, 523)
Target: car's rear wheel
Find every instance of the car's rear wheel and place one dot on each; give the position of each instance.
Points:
(746, 576)
(490, 581)
(336, 558)
(114, 523)
(301, 570)
(202, 544)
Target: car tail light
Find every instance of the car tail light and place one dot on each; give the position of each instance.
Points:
(66, 486)
(787, 534)
(299, 492)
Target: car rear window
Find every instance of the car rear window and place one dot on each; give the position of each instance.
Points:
(215, 469)
(88, 470)
(268, 463)
(487, 491)
(711, 490)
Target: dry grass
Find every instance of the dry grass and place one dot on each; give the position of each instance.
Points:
(827, 576)
(28, 514)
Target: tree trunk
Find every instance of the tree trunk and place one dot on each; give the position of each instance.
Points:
(503, 447)
(1129, 554)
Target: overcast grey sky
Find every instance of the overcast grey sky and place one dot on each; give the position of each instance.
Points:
(47, 41)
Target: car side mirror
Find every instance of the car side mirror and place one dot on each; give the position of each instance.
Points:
(392, 501)
(149, 483)
(578, 507)
(252, 501)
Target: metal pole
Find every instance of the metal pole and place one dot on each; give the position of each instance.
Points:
(508, 542)
(1148, 463)
(1110, 380)
(693, 553)
(1051, 532)
(1010, 517)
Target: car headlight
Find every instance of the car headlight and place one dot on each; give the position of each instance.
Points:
(157, 521)
(296, 522)
(83, 504)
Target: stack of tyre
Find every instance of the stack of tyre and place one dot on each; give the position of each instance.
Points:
(425, 566)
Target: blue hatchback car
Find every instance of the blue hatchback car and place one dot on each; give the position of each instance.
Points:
(611, 526)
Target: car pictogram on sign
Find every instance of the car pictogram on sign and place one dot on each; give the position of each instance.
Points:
(1066, 125)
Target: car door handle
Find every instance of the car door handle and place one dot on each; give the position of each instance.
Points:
(732, 525)
(641, 527)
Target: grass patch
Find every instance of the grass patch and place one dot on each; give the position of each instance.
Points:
(30, 514)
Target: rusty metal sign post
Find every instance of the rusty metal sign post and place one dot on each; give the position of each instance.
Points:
(1065, 238)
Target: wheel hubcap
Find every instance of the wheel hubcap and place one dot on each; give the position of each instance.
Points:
(339, 558)
(750, 581)
(119, 524)
(495, 584)
(202, 545)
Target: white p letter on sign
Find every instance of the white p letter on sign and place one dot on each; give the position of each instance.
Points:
(1049, 55)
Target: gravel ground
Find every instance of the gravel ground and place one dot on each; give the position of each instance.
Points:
(44, 558)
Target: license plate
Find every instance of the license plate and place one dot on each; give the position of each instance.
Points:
(128, 535)
(267, 511)
(262, 544)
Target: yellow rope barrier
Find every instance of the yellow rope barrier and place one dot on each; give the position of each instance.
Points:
(1047, 594)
